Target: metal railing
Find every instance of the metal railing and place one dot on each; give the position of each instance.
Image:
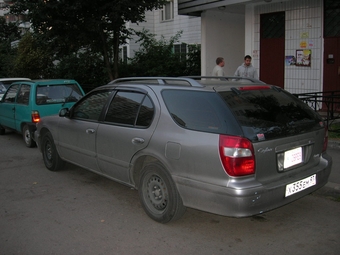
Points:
(327, 104)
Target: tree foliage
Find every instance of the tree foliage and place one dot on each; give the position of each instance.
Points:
(33, 59)
(85, 67)
(157, 57)
(72, 25)
(8, 33)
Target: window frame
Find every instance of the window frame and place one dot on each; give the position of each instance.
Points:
(169, 7)
(138, 112)
(104, 106)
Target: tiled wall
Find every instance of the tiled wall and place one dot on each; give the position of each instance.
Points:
(304, 19)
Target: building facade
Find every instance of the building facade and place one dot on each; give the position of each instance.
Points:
(294, 44)
(166, 22)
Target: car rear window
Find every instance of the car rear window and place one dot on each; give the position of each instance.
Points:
(270, 113)
(51, 94)
(258, 113)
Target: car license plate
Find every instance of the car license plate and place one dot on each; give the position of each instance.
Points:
(298, 186)
(292, 157)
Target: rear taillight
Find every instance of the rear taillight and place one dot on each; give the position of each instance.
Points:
(35, 116)
(325, 140)
(237, 155)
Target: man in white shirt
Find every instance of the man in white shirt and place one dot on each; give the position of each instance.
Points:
(218, 71)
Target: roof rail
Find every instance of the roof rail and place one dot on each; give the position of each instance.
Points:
(225, 78)
(161, 80)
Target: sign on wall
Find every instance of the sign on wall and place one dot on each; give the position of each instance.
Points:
(303, 58)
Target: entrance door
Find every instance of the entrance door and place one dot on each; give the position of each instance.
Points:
(331, 75)
(272, 48)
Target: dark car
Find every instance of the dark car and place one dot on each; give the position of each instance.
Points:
(230, 146)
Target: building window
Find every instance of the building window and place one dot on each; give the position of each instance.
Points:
(123, 55)
(167, 13)
(273, 25)
(180, 48)
(332, 18)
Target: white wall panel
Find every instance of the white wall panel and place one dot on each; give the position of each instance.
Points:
(224, 37)
(303, 24)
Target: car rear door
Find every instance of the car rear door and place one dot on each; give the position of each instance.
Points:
(23, 110)
(8, 107)
(128, 127)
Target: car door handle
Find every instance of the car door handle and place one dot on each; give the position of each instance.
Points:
(138, 140)
(90, 131)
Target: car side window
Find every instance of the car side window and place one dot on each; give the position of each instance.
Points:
(130, 108)
(24, 94)
(201, 111)
(91, 107)
(11, 94)
(146, 112)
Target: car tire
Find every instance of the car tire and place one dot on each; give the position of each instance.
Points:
(28, 137)
(158, 194)
(51, 157)
(2, 131)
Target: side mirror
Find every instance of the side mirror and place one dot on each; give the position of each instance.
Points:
(64, 112)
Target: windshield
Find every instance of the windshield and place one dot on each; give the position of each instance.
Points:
(62, 93)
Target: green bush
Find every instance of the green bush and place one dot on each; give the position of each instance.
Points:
(157, 58)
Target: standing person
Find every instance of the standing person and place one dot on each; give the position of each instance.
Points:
(246, 69)
(218, 71)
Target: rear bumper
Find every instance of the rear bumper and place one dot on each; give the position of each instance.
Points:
(236, 202)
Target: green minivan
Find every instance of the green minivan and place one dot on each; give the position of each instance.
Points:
(25, 102)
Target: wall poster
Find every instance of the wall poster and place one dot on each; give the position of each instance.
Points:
(303, 57)
(290, 61)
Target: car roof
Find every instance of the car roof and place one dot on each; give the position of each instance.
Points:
(50, 81)
(198, 82)
(15, 79)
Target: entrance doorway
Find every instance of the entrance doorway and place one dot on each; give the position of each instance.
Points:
(331, 74)
(272, 48)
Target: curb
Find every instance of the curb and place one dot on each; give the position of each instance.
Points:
(333, 185)
(331, 190)
(334, 144)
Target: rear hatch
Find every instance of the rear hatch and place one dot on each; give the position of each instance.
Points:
(50, 98)
(287, 135)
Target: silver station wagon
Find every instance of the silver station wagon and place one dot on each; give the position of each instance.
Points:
(230, 146)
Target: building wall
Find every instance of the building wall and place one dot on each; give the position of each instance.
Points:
(132, 45)
(304, 30)
(223, 35)
(3, 10)
(191, 27)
